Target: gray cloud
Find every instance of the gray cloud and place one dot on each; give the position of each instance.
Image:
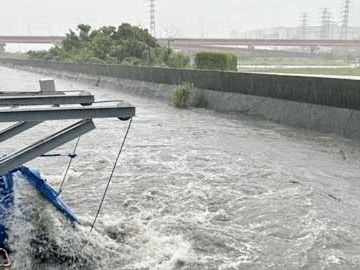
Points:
(188, 18)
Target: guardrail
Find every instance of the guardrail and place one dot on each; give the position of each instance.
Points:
(342, 93)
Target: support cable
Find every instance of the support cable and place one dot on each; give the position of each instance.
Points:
(111, 175)
(72, 156)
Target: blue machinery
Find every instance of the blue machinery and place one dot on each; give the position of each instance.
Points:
(29, 109)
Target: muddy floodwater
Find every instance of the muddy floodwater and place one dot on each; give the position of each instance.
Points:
(194, 189)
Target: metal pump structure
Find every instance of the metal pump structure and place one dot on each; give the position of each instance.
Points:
(29, 109)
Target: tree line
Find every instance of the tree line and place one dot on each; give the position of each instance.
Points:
(125, 44)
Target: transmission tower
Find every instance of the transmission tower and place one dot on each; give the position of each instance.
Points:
(152, 17)
(304, 22)
(325, 24)
(345, 19)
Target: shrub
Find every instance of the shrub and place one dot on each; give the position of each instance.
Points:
(131, 61)
(216, 61)
(181, 96)
(176, 60)
(38, 54)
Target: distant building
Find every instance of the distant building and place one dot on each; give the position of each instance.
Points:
(312, 32)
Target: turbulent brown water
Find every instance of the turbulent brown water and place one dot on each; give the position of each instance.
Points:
(194, 189)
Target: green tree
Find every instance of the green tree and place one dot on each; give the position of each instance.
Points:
(84, 31)
(125, 44)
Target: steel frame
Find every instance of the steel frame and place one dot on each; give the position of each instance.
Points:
(13, 161)
(36, 98)
(120, 110)
(28, 117)
(16, 129)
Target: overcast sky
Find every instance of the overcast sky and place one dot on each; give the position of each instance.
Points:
(190, 18)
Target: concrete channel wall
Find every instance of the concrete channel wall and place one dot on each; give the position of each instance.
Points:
(323, 104)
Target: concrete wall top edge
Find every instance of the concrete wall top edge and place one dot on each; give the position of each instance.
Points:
(327, 91)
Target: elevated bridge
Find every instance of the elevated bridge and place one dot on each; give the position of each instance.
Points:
(252, 43)
(195, 42)
(31, 39)
(200, 44)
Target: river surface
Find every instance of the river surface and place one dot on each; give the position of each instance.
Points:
(194, 189)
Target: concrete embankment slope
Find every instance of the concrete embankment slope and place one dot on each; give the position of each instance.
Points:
(318, 103)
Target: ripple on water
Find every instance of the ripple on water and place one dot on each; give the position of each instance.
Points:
(194, 190)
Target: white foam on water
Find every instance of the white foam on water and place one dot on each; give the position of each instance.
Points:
(194, 190)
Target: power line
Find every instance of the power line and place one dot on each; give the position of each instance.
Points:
(325, 24)
(152, 17)
(304, 23)
(345, 19)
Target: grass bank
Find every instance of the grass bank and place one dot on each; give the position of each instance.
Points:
(292, 61)
(346, 71)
